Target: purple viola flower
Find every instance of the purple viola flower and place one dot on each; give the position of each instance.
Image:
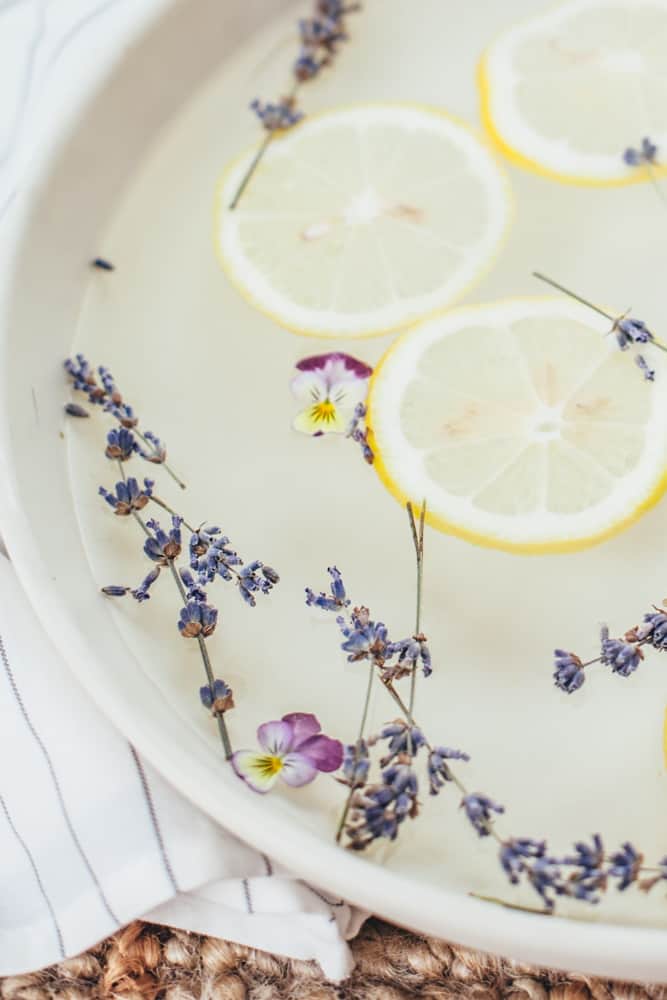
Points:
(329, 386)
(121, 444)
(128, 496)
(292, 748)
(333, 601)
(568, 671)
(623, 657)
(161, 546)
(478, 809)
(646, 154)
(197, 619)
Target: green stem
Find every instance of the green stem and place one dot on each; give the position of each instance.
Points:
(411, 720)
(362, 726)
(573, 295)
(418, 539)
(164, 465)
(222, 726)
(257, 158)
(170, 510)
(511, 906)
(254, 163)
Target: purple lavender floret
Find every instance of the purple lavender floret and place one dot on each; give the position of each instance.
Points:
(356, 763)
(647, 153)
(402, 740)
(335, 600)
(197, 619)
(655, 629)
(276, 116)
(568, 671)
(623, 657)
(625, 865)
(631, 331)
(478, 808)
(121, 444)
(438, 769)
(162, 546)
(141, 592)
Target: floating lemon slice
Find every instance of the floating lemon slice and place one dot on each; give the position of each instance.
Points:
(566, 92)
(363, 220)
(522, 426)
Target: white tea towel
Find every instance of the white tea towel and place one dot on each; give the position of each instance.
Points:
(92, 840)
(92, 837)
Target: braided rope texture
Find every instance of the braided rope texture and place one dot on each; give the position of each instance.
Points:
(145, 962)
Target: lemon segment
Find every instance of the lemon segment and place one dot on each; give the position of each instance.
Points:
(567, 91)
(363, 220)
(521, 424)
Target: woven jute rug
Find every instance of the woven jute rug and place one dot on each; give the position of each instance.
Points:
(144, 962)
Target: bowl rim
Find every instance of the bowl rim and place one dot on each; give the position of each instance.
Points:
(610, 950)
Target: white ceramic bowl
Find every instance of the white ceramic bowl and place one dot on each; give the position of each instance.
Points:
(163, 54)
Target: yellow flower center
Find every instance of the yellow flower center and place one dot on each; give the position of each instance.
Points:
(323, 412)
(270, 765)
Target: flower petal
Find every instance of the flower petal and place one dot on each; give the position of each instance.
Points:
(276, 737)
(297, 770)
(323, 753)
(304, 725)
(321, 418)
(335, 362)
(309, 386)
(259, 771)
(347, 393)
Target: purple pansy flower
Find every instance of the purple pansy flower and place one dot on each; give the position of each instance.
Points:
(330, 386)
(293, 748)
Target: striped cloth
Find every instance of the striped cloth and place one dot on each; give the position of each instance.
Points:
(91, 836)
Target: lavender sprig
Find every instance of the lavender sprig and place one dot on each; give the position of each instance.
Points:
(320, 36)
(379, 809)
(209, 553)
(624, 655)
(645, 157)
(628, 330)
(101, 390)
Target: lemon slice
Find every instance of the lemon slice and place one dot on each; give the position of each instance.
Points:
(521, 425)
(566, 92)
(362, 220)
